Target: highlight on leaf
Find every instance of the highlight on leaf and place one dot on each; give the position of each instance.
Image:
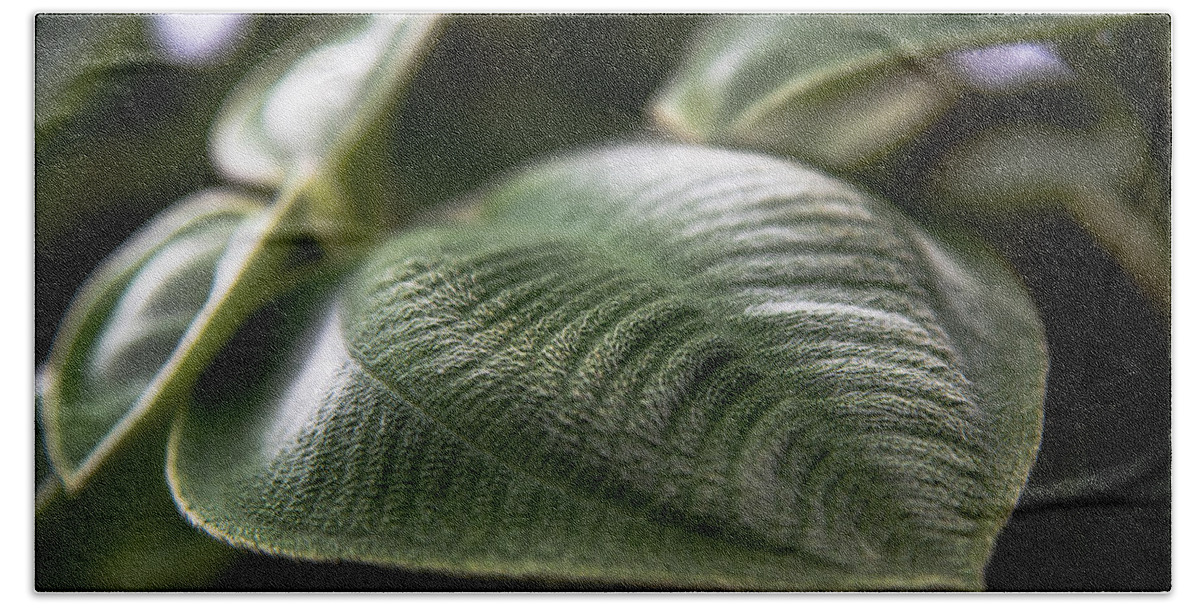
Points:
(650, 364)
(312, 111)
(126, 321)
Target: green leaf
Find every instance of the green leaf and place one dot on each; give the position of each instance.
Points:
(654, 365)
(311, 114)
(836, 90)
(299, 240)
(129, 317)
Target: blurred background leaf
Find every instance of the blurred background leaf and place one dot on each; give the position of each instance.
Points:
(111, 154)
(836, 90)
(321, 112)
(75, 55)
(126, 321)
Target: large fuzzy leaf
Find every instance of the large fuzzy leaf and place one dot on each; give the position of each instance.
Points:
(129, 317)
(839, 90)
(652, 365)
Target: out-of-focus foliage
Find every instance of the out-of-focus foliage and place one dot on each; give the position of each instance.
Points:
(130, 316)
(123, 532)
(322, 112)
(842, 90)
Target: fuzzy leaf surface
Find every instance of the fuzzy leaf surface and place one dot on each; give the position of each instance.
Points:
(650, 365)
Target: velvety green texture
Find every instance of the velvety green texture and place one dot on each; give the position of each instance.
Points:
(655, 365)
(126, 321)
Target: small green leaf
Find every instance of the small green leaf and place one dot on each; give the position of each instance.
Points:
(126, 321)
(314, 113)
(298, 240)
(653, 365)
(836, 90)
